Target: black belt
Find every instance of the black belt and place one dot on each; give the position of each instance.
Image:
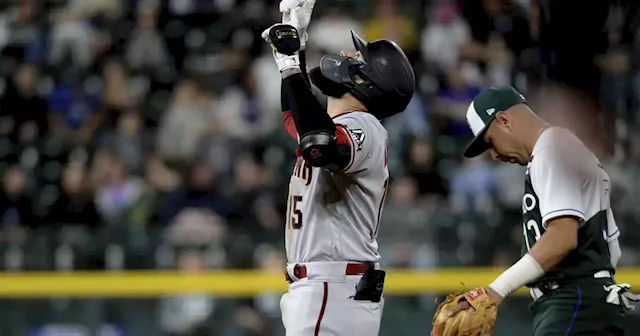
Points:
(300, 271)
(548, 286)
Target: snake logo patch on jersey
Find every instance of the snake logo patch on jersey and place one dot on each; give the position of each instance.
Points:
(358, 137)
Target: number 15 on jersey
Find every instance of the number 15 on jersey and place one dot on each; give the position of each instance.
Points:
(294, 213)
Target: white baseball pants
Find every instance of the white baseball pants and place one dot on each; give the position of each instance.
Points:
(322, 304)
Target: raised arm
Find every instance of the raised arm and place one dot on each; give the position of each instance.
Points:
(321, 142)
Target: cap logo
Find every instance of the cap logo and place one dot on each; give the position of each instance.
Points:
(491, 111)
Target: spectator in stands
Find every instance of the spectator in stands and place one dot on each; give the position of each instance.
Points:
(118, 94)
(240, 113)
(119, 190)
(20, 38)
(161, 182)
(403, 255)
(617, 77)
(23, 107)
(72, 40)
(268, 217)
(413, 122)
(199, 229)
(251, 181)
(462, 84)
(408, 231)
(625, 176)
(92, 8)
(75, 111)
(421, 165)
(509, 188)
(15, 205)
(408, 213)
(185, 123)
(201, 191)
(75, 204)
(146, 48)
(445, 35)
(500, 33)
(328, 32)
(127, 141)
(472, 186)
(267, 82)
(389, 23)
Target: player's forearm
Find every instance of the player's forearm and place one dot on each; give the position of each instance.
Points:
(526, 270)
(553, 246)
(308, 114)
(302, 68)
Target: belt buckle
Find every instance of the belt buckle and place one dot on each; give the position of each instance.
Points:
(544, 288)
(547, 287)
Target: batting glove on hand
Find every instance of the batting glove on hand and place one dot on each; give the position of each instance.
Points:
(285, 42)
(298, 14)
(619, 294)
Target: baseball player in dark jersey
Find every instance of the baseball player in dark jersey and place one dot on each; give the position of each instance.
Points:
(339, 182)
(570, 244)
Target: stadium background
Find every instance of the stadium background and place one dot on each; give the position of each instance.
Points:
(141, 142)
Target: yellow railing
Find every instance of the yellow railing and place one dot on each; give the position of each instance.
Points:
(234, 283)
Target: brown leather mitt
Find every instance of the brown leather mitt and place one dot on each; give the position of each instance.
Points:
(478, 321)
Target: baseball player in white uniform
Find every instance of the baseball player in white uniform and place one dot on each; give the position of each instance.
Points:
(570, 244)
(339, 182)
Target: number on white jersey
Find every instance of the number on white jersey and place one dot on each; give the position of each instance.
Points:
(294, 216)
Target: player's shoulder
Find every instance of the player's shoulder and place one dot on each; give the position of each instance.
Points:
(556, 139)
(358, 117)
(361, 122)
(560, 144)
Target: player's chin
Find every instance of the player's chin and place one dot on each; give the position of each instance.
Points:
(515, 160)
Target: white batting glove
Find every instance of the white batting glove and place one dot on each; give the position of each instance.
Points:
(298, 14)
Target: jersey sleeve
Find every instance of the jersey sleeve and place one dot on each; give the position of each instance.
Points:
(557, 180)
(613, 232)
(362, 136)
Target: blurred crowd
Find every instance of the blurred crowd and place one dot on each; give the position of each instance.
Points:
(147, 134)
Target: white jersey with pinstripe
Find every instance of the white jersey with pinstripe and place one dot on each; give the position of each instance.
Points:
(334, 216)
(565, 179)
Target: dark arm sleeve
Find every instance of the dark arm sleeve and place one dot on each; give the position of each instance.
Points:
(308, 114)
(287, 117)
(321, 143)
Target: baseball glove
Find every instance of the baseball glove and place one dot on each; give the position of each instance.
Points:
(478, 320)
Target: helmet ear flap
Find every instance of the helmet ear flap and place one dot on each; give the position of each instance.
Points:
(327, 86)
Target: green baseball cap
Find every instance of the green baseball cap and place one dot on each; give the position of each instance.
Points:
(483, 110)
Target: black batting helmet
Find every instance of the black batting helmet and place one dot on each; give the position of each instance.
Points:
(383, 80)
